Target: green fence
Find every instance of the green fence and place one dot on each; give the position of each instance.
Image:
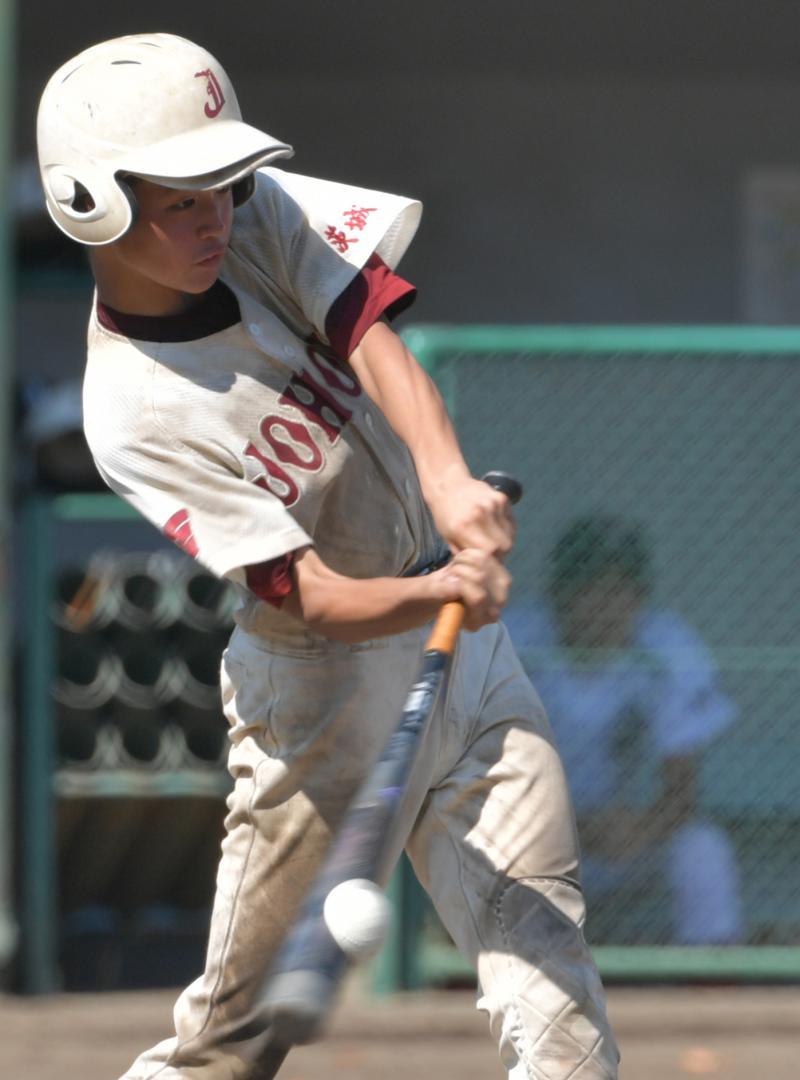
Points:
(657, 580)
(655, 606)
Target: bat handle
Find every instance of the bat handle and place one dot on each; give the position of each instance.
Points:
(445, 630)
(450, 619)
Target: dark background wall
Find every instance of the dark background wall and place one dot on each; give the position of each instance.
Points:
(579, 161)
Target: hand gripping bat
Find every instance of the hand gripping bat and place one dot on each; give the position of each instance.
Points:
(303, 981)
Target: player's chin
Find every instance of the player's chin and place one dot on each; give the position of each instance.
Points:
(202, 275)
(198, 283)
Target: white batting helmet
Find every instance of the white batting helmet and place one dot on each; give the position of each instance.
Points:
(154, 106)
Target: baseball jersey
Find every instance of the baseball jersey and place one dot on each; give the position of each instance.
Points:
(255, 440)
(665, 686)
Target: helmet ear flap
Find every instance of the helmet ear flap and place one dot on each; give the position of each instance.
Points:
(87, 205)
(243, 189)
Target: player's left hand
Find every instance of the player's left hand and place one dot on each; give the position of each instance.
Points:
(471, 514)
(480, 581)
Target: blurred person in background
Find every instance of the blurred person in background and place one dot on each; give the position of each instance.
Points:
(633, 698)
(58, 458)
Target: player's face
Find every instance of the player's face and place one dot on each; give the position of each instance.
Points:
(175, 248)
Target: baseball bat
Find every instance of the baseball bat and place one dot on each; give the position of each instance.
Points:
(309, 966)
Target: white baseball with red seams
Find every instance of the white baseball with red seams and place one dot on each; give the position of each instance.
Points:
(358, 915)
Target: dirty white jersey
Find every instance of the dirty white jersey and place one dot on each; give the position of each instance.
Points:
(659, 698)
(254, 441)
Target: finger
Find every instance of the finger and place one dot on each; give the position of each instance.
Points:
(485, 585)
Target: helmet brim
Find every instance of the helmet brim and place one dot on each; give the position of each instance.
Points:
(200, 159)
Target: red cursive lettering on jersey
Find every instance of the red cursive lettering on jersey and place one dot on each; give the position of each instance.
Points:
(356, 217)
(291, 441)
(277, 481)
(336, 238)
(316, 404)
(334, 375)
(275, 430)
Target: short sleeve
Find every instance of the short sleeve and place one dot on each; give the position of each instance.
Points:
(200, 503)
(375, 293)
(299, 242)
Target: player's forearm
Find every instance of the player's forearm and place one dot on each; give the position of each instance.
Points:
(467, 512)
(410, 401)
(353, 609)
(357, 609)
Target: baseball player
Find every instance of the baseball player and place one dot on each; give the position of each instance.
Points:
(245, 392)
(631, 690)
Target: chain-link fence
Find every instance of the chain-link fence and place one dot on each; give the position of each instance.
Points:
(655, 605)
(657, 575)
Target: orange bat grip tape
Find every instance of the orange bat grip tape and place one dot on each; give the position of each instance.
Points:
(445, 630)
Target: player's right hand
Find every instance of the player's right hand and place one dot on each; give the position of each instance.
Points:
(480, 581)
(471, 514)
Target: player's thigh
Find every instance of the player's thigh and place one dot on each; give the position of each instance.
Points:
(501, 791)
(500, 812)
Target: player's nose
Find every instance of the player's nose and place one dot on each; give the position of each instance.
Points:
(215, 213)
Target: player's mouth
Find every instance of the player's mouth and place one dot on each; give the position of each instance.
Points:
(213, 259)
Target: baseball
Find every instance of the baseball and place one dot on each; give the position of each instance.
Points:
(357, 915)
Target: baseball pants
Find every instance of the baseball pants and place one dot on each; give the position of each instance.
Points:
(488, 825)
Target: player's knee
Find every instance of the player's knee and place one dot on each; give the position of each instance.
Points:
(537, 966)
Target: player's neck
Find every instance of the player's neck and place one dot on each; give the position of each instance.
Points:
(126, 291)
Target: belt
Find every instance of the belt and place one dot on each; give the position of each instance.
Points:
(436, 563)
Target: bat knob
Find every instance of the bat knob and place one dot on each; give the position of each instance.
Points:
(501, 481)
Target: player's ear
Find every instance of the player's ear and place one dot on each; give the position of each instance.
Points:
(87, 204)
(82, 201)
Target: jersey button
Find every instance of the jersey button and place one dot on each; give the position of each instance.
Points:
(289, 351)
(255, 328)
(368, 418)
